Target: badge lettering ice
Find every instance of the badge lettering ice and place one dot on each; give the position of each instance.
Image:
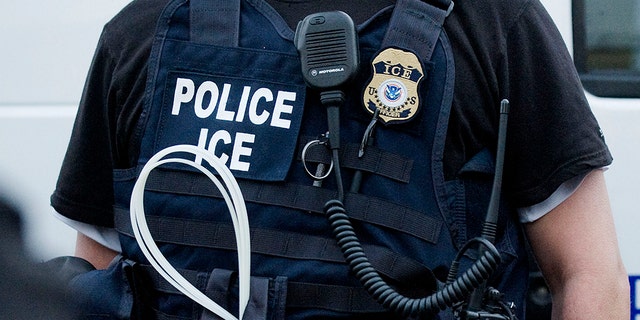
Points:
(398, 71)
(258, 106)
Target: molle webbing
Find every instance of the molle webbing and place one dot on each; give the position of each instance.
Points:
(307, 198)
(298, 294)
(269, 242)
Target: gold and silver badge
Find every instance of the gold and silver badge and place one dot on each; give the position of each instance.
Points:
(393, 89)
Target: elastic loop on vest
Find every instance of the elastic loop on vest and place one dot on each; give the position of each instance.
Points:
(235, 202)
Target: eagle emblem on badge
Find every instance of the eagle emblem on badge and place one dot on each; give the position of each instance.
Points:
(393, 88)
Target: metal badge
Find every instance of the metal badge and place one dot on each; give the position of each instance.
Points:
(393, 89)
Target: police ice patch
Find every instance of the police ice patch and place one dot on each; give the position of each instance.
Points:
(393, 88)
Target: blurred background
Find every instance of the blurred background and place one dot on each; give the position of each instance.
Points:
(47, 47)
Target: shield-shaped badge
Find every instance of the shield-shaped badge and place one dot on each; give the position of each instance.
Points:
(393, 88)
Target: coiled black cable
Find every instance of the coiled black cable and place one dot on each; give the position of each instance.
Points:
(453, 292)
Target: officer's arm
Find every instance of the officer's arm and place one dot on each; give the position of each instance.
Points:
(577, 249)
(98, 255)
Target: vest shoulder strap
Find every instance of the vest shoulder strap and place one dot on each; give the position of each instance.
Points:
(209, 15)
(417, 24)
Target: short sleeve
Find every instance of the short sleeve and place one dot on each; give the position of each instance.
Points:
(84, 190)
(553, 135)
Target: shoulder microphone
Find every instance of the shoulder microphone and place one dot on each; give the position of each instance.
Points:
(329, 57)
(328, 47)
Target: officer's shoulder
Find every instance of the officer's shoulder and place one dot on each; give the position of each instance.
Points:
(134, 24)
(488, 18)
(495, 9)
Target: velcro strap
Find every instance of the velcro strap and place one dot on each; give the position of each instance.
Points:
(375, 160)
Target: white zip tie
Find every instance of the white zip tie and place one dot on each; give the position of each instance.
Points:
(235, 202)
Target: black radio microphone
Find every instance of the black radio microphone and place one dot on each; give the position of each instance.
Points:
(328, 47)
(329, 57)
